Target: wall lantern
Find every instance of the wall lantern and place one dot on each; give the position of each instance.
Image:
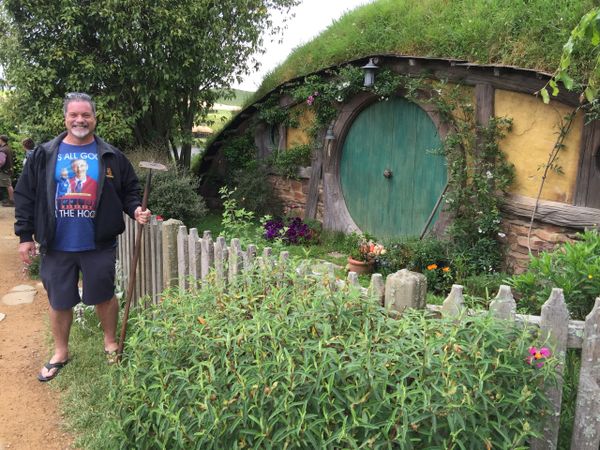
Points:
(369, 70)
(329, 136)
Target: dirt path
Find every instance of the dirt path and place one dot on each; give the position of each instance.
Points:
(29, 414)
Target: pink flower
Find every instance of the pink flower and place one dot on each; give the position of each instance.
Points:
(537, 355)
(311, 98)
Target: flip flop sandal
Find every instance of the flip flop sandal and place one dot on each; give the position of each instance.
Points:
(112, 357)
(50, 366)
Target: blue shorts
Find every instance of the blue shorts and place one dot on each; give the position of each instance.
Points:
(59, 272)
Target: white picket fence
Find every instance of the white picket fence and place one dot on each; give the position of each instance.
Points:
(172, 256)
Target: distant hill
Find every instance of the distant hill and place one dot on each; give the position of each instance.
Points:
(239, 99)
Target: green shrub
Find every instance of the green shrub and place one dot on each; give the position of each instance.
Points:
(238, 222)
(174, 194)
(430, 257)
(270, 365)
(288, 161)
(574, 267)
(482, 288)
(239, 151)
(254, 192)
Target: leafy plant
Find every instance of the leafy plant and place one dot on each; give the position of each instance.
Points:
(252, 191)
(236, 222)
(574, 267)
(430, 257)
(288, 161)
(174, 195)
(240, 151)
(479, 174)
(268, 365)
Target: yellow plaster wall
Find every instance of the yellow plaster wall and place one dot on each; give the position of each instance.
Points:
(533, 136)
(298, 136)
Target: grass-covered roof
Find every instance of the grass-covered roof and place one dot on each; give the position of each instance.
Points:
(524, 33)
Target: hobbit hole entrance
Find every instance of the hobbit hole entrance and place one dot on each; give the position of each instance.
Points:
(391, 169)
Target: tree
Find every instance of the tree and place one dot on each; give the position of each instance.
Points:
(587, 32)
(153, 65)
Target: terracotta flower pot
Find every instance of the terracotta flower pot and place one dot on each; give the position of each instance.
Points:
(360, 267)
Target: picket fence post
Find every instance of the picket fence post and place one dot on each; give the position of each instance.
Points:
(586, 428)
(554, 325)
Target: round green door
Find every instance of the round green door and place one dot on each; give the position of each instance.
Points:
(391, 172)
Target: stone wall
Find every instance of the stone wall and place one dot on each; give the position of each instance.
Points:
(293, 194)
(543, 237)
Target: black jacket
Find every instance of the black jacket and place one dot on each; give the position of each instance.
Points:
(118, 192)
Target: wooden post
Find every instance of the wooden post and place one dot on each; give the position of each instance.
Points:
(208, 254)
(147, 262)
(235, 259)
(312, 198)
(377, 287)
(454, 305)
(182, 258)
(194, 254)
(159, 260)
(353, 279)
(267, 259)
(405, 289)
(170, 229)
(554, 326)
(137, 292)
(220, 261)
(154, 246)
(586, 428)
(250, 257)
(504, 305)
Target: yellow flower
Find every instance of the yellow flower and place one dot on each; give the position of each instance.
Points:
(446, 269)
(590, 276)
(432, 267)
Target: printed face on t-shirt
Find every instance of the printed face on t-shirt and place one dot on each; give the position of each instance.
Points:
(76, 175)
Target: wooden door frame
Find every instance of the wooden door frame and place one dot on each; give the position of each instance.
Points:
(336, 214)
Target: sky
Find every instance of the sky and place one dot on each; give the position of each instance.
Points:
(312, 17)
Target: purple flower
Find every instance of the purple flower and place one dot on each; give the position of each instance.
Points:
(290, 231)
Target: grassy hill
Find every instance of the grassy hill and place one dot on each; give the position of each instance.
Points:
(523, 33)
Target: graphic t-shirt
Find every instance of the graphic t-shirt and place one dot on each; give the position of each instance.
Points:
(76, 175)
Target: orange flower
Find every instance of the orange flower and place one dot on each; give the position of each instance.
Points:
(432, 267)
(446, 269)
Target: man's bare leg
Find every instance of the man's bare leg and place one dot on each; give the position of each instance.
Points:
(108, 313)
(60, 323)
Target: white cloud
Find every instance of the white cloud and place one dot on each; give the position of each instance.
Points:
(311, 18)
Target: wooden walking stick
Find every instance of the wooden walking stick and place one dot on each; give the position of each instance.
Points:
(136, 252)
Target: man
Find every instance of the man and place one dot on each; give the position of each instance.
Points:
(76, 233)
(28, 146)
(6, 170)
